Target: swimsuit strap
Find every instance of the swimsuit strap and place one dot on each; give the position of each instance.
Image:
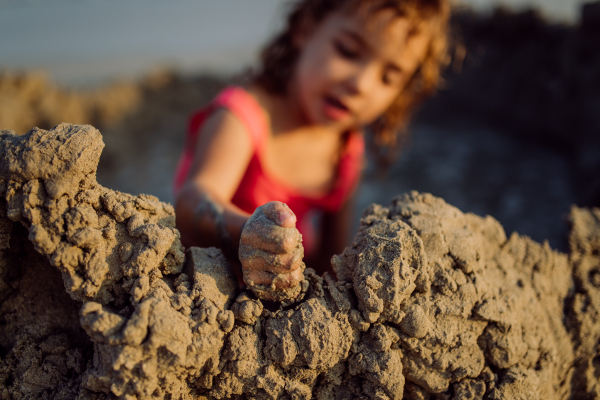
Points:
(245, 107)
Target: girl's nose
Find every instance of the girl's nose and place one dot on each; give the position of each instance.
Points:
(362, 78)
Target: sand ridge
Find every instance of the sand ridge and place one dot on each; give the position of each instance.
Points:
(98, 300)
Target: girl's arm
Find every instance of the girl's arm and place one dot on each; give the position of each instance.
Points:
(206, 217)
(204, 204)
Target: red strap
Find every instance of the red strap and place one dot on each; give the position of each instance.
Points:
(245, 107)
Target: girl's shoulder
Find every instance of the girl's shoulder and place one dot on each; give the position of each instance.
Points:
(241, 104)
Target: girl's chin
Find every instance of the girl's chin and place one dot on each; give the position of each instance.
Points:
(334, 124)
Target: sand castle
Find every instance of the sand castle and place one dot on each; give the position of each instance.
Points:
(99, 301)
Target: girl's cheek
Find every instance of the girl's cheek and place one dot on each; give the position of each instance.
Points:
(327, 67)
(379, 104)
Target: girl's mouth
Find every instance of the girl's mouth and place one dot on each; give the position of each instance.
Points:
(335, 109)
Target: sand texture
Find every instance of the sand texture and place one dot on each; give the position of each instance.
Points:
(98, 300)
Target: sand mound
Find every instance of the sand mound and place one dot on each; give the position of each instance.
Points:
(99, 301)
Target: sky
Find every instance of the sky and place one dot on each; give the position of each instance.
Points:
(85, 42)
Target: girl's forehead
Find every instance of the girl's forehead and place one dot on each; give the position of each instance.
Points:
(398, 39)
(382, 28)
(384, 24)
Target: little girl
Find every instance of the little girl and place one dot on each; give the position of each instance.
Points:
(263, 159)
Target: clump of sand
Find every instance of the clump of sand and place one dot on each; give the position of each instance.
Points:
(99, 301)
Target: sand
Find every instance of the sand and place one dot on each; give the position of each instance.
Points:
(99, 301)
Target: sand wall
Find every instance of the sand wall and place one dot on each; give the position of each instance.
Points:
(98, 300)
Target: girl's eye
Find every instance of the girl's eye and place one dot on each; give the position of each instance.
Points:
(345, 51)
(391, 78)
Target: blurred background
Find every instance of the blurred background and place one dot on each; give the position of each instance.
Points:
(514, 133)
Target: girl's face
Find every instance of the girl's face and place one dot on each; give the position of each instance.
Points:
(350, 70)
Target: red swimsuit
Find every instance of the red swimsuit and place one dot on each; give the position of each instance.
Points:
(257, 186)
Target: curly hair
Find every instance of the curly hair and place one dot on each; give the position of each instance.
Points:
(278, 58)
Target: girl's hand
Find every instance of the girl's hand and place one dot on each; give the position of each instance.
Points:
(271, 253)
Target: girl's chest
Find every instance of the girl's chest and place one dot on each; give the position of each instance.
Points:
(305, 163)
